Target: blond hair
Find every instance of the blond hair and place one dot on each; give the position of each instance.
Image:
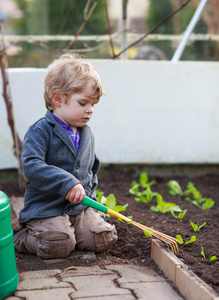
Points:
(70, 75)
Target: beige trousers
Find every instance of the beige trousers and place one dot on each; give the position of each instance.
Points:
(57, 237)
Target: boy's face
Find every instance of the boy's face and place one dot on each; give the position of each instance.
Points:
(77, 110)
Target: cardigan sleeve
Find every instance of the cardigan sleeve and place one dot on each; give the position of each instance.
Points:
(42, 176)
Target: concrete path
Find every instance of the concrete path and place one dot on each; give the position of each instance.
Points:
(113, 282)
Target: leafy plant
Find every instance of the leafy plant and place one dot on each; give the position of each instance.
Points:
(165, 207)
(110, 202)
(143, 180)
(143, 183)
(210, 258)
(147, 234)
(180, 239)
(145, 195)
(199, 201)
(99, 195)
(196, 227)
(191, 189)
(180, 215)
(207, 204)
(134, 190)
(175, 188)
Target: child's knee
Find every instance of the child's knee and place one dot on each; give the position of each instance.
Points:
(104, 239)
(54, 244)
(99, 238)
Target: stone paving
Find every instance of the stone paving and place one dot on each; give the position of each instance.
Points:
(94, 282)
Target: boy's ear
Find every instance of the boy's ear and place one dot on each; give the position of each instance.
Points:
(57, 99)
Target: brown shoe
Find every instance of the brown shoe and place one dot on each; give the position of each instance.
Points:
(16, 226)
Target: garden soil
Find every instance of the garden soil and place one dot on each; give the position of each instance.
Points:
(132, 245)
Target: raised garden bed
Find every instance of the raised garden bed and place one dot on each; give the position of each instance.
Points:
(132, 244)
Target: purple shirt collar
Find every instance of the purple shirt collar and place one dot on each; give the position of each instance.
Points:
(74, 136)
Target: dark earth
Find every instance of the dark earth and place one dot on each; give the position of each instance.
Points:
(132, 245)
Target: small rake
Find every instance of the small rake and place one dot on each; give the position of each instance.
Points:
(161, 236)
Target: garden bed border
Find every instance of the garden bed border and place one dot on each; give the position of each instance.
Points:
(189, 284)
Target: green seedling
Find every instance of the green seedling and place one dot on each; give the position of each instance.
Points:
(147, 234)
(199, 201)
(146, 196)
(196, 227)
(143, 184)
(110, 202)
(180, 215)
(175, 188)
(165, 207)
(143, 180)
(179, 239)
(181, 242)
(99, 195)
(191, 189)
(207, 204)
(134, 190)
(210, 258)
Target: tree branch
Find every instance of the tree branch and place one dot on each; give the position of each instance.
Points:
(109, 28)
(86, 18)
(84, 50)
(153, 29)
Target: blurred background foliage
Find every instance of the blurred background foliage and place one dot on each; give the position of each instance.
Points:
(58, 17)
(199, 50)
(55, 17)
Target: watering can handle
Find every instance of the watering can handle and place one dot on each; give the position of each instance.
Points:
(91, 203)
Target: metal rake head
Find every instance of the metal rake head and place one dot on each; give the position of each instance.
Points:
(161, 236)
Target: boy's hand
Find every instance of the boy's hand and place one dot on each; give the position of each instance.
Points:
(76, 194)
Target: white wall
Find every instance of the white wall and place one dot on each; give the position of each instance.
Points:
(152, 111)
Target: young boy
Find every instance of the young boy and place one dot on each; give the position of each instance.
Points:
(61, 167)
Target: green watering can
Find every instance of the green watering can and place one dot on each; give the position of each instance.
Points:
(8, 269)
